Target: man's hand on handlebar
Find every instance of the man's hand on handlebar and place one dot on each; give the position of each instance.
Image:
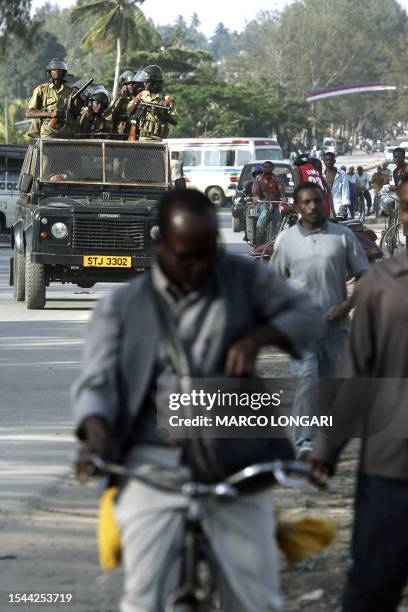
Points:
(96, 441)
(320, 473)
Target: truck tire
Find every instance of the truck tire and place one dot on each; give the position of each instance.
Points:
(236, 225)
(18, 276)
(34, 284)
(216, 196)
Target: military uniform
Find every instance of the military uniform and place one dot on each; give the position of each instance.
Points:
(117, 114)
(46, 97)
(151, 127)
(91, 123)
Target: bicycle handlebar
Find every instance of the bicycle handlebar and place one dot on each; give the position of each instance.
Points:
(280, 470)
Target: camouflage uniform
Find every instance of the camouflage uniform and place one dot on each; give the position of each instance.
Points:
(118, 116)
(91, 123)
(46, 97)
(151, 127)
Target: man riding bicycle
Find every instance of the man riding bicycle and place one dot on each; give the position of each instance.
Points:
(223, 308)
(267, 191)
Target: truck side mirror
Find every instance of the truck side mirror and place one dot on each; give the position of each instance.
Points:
(26, 182)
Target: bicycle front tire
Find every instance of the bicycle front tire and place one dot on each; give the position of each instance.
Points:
(391, 241)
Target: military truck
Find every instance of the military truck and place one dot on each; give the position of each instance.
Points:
(86, 213)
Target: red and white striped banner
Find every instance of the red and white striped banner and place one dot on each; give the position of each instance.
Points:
(341, 90)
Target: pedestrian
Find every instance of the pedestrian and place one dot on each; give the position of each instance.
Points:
(247, 188)
(377, 352)
(310, 170)
(400, 172)
(224, 308)
(49, 103)
(176, 167)
(267, 192)
(339, 186)
(363, 186)
(378, 180)
(316, 255)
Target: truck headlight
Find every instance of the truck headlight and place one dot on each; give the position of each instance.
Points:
(155, 232)
(59, 230)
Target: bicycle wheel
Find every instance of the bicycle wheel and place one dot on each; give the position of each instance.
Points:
(393, 240)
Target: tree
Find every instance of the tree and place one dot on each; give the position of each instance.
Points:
(115, 20)
(18, 77)
(14, 19)
(223, 42)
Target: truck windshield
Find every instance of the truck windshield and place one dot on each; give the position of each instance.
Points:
(107, 162)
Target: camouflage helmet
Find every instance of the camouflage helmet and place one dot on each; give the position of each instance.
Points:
(154, 73)
(56, 64)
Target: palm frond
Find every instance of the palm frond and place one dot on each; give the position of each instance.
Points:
(95, 7)
(103, 28)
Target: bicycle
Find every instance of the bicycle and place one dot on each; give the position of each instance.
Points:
(289, 216)
(197, 591)
(393, 236)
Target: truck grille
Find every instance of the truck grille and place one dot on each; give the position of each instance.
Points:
(125, 234)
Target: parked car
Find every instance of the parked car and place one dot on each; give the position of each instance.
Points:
(338, 146)
(240, 201)
(389, 153)
(11, 160)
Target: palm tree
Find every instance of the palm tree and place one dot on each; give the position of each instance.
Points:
(115, 20)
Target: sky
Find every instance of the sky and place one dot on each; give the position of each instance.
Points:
(233, 13)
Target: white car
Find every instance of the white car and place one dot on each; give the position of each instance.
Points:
(389, 153)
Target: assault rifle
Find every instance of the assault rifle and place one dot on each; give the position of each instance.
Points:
(141, 111)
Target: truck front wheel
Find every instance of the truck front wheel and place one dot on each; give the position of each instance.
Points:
(34, 284)
(18, 275)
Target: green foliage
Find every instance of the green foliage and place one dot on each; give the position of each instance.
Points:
(226, 110)
(15, 113)
(14, 19)
(251, 83)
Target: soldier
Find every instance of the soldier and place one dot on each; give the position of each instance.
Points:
(118, 111)
(92, 119)
(153, 124)
(49, 102)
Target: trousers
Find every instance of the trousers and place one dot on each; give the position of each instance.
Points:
(318, 361)
(379, 569)
(265, 213)
(241, 534)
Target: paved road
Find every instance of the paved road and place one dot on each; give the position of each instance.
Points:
(40, 354)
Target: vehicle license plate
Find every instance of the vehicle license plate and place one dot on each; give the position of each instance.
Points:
(107, 261)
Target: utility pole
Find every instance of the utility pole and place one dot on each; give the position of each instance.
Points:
(6, 121)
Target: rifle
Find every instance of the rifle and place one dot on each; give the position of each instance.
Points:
(141, 111)
(55, 120)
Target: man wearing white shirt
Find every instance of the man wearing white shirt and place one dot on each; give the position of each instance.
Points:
(363, 185)
(339, 185)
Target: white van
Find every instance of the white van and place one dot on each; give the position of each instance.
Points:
(11, 160)
(213, 164)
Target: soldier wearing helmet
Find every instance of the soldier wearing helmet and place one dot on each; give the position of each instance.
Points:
(48, 103)
(92, 119)
(118, 113)
(153, 125)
